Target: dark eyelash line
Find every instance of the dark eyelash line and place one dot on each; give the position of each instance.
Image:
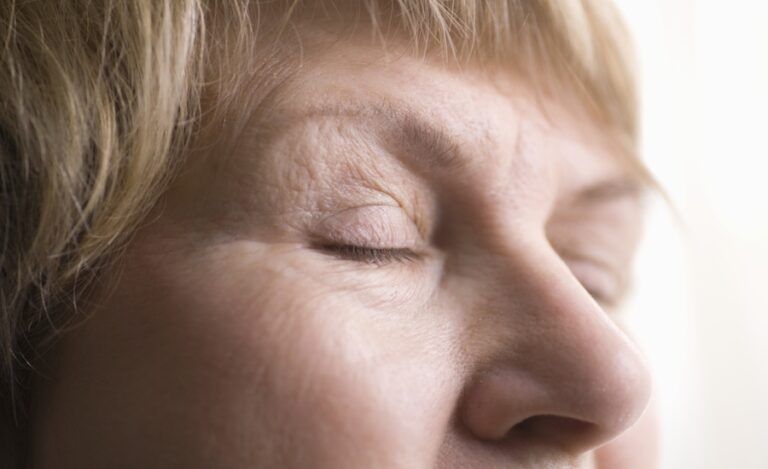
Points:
(371, 255)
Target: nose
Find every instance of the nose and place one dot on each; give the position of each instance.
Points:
(559, 371)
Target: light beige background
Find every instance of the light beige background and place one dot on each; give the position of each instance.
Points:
(700, 304)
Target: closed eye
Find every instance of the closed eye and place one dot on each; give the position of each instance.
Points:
(370, 255)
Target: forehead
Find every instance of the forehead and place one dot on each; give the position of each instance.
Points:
(449, 118)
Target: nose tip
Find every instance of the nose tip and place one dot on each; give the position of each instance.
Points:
(574, 400)
(625, 393)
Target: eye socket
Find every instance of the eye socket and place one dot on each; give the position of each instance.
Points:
(599, 296)
(372, 234)
(371, 255)
(602, 283)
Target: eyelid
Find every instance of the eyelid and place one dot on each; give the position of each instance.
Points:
(373, 226)
(605, 284)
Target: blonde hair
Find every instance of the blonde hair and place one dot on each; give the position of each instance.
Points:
(99, 102)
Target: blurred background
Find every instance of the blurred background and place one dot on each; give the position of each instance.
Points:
(700, 305)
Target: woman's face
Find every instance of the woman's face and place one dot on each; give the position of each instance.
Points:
(409, 267)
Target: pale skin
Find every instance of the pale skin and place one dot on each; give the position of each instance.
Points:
(413, 267)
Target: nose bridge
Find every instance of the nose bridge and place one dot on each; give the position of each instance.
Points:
(564, 324)
(556, 359)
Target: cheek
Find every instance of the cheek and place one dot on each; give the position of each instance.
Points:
(245, 364)
(321, 369)
(353, 385)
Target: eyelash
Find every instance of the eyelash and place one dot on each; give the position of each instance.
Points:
(370, 255)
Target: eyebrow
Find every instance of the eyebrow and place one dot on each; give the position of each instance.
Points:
(406, 129)
(438, 149)
(624, 186)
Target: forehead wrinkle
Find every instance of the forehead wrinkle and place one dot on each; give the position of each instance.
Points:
(429, 143)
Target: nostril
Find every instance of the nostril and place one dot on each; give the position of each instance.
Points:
(576, 398)
(567, 433)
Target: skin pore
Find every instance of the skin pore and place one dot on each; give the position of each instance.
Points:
(409, 266)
